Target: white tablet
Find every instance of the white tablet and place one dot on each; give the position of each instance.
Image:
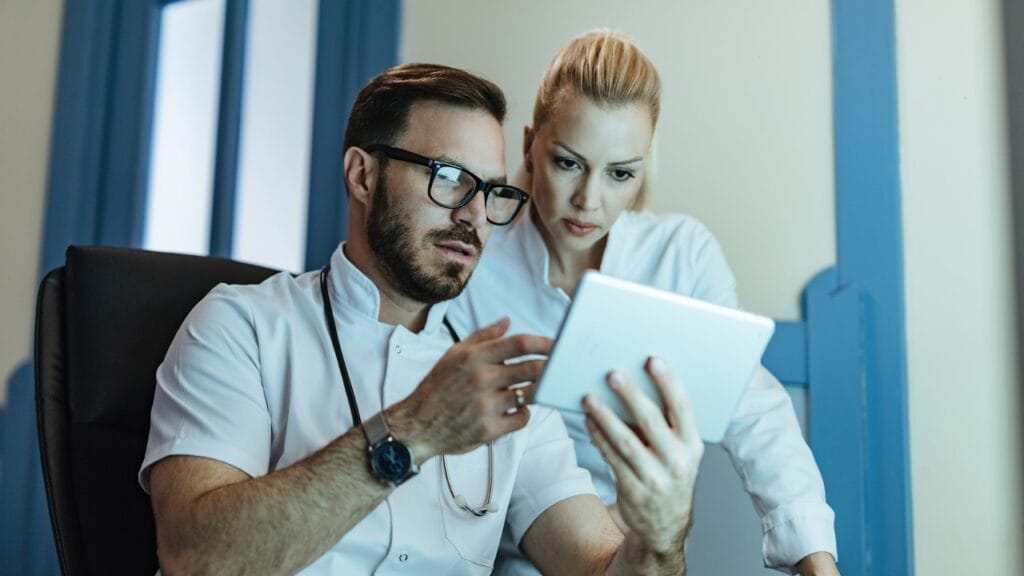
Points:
(615, 325)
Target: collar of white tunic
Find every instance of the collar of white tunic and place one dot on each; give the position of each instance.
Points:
(352, 290)
(538, 259)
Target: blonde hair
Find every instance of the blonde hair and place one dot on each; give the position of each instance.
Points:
(606, 67)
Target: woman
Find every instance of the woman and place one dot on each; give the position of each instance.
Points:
(585, 158)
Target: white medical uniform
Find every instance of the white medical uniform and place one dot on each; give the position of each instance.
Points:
(677, 253)
(251, 380)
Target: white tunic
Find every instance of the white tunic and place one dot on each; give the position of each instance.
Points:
(251, 380)
(677, 253)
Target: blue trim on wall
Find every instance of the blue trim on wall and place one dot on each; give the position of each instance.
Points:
(870, 253)
(356, 40)
(229, 125)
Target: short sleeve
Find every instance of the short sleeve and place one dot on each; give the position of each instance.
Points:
(548, 472)
(209, 398)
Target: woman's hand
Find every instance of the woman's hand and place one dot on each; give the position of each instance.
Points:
(655, 462)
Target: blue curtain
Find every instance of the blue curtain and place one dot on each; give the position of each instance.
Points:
(98, 164)
(357, 40)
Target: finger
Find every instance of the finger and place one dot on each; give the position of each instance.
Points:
(531, 391)
(619, 436)
(624, 473)
(516, 346)
(646, 414)
(678, 408)
(508, 374)
(511, 421)
(492, 332)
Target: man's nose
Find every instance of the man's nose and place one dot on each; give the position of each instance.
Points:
(474, 213)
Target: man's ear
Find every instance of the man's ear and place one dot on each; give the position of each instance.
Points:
(360, 173)
(527, 145)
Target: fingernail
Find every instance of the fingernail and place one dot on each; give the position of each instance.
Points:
(658, 365)
(591, 402)
(616, 380)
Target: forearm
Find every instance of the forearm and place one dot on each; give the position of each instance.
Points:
(817, 564)
(637, 558)
(275, 524)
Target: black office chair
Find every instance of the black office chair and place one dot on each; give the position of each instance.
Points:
(104, 321)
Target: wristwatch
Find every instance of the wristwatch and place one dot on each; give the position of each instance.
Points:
(391, 461)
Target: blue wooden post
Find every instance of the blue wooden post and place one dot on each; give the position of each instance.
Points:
(836, 408)
(870, 255)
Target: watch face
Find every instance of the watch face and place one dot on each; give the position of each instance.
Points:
(390, 461)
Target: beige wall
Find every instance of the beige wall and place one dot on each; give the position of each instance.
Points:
(745, 138)
(964, 420)
(29, 41)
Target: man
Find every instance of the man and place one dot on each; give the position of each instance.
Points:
(288, 429)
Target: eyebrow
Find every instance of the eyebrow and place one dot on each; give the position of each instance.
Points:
(503, 179)
(581, 157)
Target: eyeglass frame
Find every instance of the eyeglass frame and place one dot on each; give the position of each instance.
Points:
(482, 185)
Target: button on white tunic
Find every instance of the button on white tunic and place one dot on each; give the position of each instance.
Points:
(251, 380)
(676, 253)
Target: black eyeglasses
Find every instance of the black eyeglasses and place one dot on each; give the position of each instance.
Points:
(452, 186)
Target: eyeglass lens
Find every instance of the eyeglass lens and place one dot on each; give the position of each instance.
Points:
(451, 184)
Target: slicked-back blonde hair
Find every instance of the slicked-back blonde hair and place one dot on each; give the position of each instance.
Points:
(606, 67)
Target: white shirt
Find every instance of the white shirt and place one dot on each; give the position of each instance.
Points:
(251, 380)
(677, 253)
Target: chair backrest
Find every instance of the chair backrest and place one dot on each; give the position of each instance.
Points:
(103, 324)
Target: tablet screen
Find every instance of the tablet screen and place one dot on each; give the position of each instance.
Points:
(613, 324)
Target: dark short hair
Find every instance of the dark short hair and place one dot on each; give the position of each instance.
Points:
(381, 110)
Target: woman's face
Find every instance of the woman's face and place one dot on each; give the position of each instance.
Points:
(586, 165)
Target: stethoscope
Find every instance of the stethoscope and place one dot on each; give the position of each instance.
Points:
(489, 505)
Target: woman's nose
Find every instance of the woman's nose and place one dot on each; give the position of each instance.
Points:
(587, 196)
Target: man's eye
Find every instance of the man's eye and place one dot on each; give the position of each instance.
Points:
(448, 174)
(566, 163)
(621, 175)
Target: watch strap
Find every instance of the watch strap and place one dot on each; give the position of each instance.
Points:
(375, 428)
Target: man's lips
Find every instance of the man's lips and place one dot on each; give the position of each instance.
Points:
(578, 227)
(459, 250)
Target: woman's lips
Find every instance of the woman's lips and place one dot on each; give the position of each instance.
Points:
(578, 228)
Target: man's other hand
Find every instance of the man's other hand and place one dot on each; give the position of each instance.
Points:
(656, 464)
(465, 401)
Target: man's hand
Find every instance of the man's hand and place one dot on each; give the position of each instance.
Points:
(464, 401)
(656, 466)
(817, 564)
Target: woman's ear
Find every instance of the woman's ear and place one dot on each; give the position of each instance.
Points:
(527, 145)
(360, 174)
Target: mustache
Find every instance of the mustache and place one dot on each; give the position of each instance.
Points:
(457, 233)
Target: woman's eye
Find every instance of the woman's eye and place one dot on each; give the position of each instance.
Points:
(566, 163)
(621, 175)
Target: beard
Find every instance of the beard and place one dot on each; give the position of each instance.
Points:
(398, 251)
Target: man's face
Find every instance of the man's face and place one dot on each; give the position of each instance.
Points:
(428, 252)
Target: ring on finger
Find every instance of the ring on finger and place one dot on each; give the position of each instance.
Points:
(520, 397)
